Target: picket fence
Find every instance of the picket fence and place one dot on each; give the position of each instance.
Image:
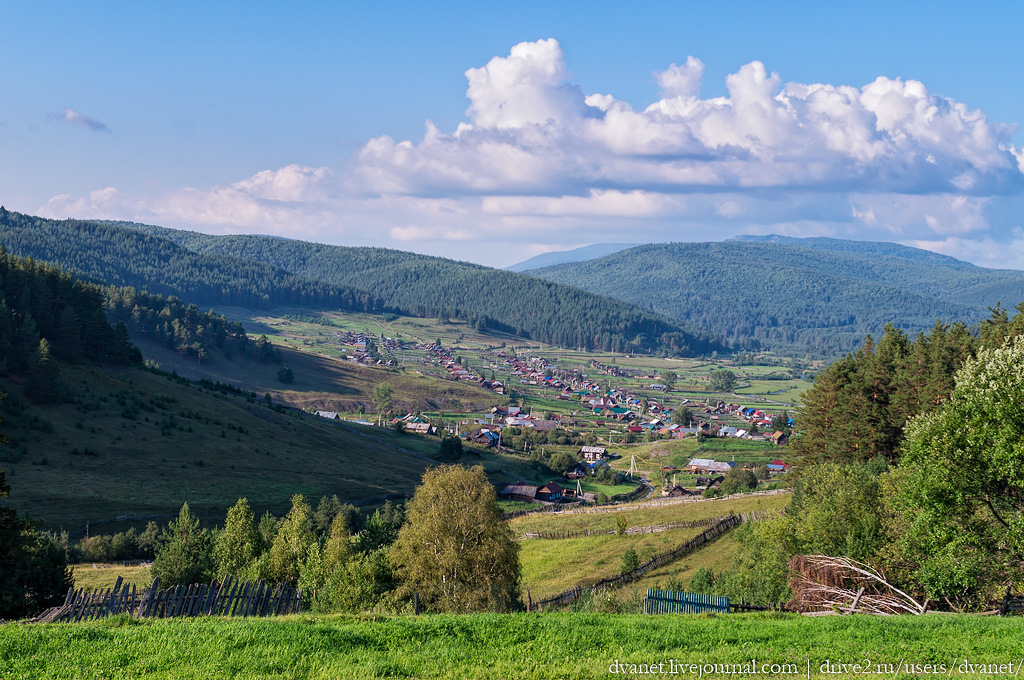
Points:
(674, 602)
(228, 597)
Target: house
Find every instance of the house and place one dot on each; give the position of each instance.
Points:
(780, 438)
(713, 481)
(593, 453)
(544, 425)
(578, 471)
(419, 428)
(550, 492)
(676, 492)
(330, 415)
(517, 492)
(776, 466)
(705, 465)
(484, 437)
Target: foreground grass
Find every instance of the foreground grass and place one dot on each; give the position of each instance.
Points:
(500, 646)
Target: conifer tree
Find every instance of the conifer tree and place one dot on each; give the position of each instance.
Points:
(186, 555)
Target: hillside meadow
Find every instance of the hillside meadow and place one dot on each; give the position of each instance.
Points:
(515, 646)
(131, 442)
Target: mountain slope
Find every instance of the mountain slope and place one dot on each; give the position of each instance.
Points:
(116, 255)
(821, 296)
(565, 256)
(424, 285)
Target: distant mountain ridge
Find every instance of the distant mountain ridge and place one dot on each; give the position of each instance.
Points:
(581, 254)
(260, 271)
(820, 295)
(426, 285)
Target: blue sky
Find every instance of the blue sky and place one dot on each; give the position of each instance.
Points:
(551, 125)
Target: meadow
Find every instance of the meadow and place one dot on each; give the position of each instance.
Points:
(515, 646)
(551, 566)
(130, 443)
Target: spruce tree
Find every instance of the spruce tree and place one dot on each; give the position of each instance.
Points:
(186, 555)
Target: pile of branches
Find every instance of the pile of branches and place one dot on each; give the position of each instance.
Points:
(823, 583)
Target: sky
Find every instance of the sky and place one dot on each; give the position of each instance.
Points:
(494, 133)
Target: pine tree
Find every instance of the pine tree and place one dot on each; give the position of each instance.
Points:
(186, 555)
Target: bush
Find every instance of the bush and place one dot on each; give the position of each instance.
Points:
(630, 560)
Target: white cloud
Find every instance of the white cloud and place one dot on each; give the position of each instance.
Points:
(539, 161)
(987, 252)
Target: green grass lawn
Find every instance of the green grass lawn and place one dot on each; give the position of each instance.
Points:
(98, 576)
(510, 647)
(551, 566)
(647, 516)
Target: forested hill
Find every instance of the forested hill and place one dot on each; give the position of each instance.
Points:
(260, 271)
(119, 256)
(822, 295)
(425, 286)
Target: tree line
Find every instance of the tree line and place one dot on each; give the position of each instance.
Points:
(183, 327)
(448, 545)
(908, 456)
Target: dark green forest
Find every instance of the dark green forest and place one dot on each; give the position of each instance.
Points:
(429, 286)
(815, 296)
(118, 256)
(262, 271)
(46, 314)
(183, 328)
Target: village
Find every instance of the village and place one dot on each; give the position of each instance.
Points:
(593, 424)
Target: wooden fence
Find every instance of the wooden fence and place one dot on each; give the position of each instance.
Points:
(651, 503)
(673, 602)
(630, 531)
(569, 596)
(653, 529)
(228, 597)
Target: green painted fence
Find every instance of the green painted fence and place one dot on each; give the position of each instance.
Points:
(672, 602)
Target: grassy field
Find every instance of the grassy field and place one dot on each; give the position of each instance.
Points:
(647, 516)
(130, 442)
(551, 566)
(326, 383)
(97, 576)
(513, 647)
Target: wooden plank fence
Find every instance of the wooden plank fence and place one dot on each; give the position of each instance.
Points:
(228, 597)
(654, 529)
(652, 503)
(674, 602)
(569, 596)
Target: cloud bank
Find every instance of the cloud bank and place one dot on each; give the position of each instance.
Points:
(539, 164)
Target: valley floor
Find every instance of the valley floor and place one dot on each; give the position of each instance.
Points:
(517, 646)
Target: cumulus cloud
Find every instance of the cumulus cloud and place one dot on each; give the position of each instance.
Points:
(76, 118)
(539, 161)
